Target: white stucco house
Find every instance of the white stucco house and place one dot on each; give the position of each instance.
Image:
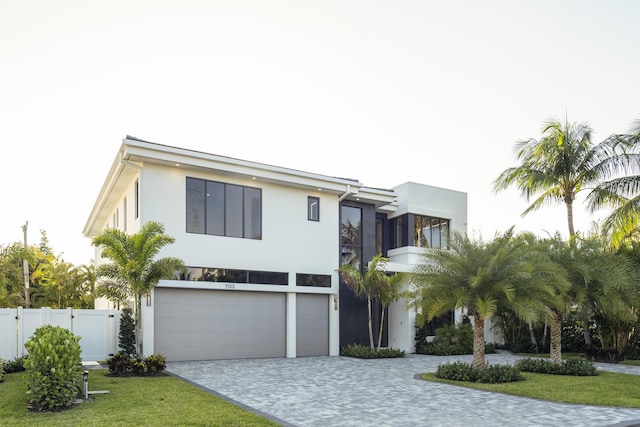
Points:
(263, 244)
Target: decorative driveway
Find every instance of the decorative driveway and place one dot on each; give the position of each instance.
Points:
(340, 391)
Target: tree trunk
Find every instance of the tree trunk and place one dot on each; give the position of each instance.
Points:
(568, 200)
(138, 327)
(545, 331)
(532, 336)
(370, 328)
(556, 337)
(380, 331)
(478, 342)
(586, 332)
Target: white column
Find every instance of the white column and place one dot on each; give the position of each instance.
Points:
(146, 318)
(291, 324)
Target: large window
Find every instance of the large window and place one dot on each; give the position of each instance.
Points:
(430, 232)
(223, 209)
(350, 236)
(315, 280)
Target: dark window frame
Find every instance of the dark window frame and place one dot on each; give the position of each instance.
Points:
(249, 227)
(313, 214)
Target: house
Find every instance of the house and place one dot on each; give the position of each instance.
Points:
(263, 244)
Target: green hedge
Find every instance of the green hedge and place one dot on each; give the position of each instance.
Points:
(580, 368)
(54, 368)
(123, 364)
(461, 371)
(364, 352)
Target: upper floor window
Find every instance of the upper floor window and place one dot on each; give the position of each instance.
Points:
(223, 209)
(430, 232)
(313, 208)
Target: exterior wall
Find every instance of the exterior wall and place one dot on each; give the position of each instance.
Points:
(290, 242)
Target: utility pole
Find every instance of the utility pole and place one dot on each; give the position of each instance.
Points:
(25, 265)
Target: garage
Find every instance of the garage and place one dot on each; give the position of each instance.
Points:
(312, 325)
(199, 324)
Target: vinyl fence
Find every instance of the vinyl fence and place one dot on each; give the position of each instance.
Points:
(98, 329)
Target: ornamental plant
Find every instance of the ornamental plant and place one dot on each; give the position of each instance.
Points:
(127, 336)
(54, 368)
(1, 370)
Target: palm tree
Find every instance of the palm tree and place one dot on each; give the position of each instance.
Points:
(565, 161)
(367, 283)
(482, 276)
(622, 193)
(133, 268)
(388, 292)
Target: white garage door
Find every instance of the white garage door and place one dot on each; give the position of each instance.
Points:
(195, 324)
(312, 325)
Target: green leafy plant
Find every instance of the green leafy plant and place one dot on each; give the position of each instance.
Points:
(462, 371)
(450, 340)
(1, 370)
(364, 352)
(54, 368)
(127, 336)
(15, 365)
(582, 368)
(124, 365)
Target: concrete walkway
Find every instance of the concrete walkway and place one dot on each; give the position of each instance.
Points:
(340, 391)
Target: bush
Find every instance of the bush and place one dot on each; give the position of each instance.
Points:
(462, 371)
(124, 365)
(364, 352)
(450, 340)
(54, 368)
(581, 368)
(1, 370)
(127, 336)
(15, 365)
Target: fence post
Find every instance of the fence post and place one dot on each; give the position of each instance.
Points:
(20, 332)
(70, 319)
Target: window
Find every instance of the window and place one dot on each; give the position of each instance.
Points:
(223, 209)
(350, 236)
(226, 275)
(315, 280)
(430, 232)
(313, 208)
(136, 197)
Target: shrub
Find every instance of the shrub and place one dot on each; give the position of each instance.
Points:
(15, 365)
(582, 368)
(54, 368)
(364, 352)
(127, 335)
(450, 340)
(1, 370)
(124, 365)
(462, 371)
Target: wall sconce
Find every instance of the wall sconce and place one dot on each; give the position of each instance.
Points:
(335, 302)
(148, 298)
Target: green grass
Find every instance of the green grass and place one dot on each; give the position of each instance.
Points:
(608, 389)
(630, 362)
(149, 401)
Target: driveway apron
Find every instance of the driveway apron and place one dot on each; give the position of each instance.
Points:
(340, 391)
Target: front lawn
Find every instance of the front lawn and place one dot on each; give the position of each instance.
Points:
(608, 388)
(148, 401)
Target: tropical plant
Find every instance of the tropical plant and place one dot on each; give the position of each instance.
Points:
(133, 270)
(480, 276)
(388, 292)
(367, 284)
(622, 193)
(564, 162)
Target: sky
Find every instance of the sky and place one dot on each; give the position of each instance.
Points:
(380, 91)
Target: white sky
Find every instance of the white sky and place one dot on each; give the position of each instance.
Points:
(384, 92)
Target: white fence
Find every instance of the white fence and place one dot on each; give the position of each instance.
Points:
(98, 329)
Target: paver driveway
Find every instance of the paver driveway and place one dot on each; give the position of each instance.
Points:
(340, 391)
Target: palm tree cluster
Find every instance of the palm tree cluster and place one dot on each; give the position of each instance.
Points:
(53, 282)
(374, 284)
(545, 280)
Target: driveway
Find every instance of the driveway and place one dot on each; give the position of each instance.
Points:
(340, 391)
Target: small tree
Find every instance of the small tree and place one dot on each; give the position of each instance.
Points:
(127, 336)
(367, 284)
(133, 269)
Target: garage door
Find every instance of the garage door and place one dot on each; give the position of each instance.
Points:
(196, 324)
(312, 329)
